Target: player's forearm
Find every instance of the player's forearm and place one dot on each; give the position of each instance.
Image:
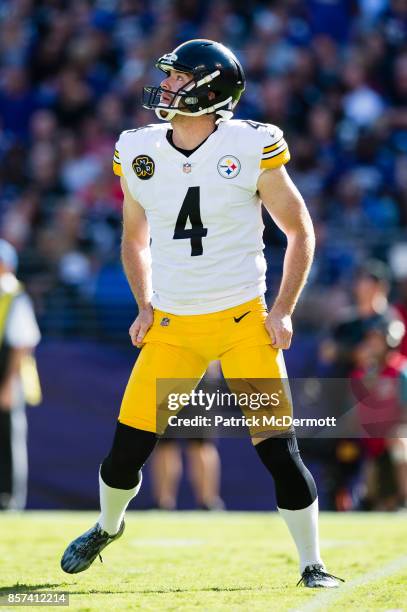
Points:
(297, 263)
(137, 267)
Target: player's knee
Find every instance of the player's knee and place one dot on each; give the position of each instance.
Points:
(295, 485)
(130, 450)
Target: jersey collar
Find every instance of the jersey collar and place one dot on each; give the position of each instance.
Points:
(198, 154)
(186, 152)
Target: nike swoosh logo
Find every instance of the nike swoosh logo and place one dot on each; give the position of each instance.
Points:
(237, 319)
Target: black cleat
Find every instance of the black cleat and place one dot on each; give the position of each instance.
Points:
(82, 552)
(315, 576)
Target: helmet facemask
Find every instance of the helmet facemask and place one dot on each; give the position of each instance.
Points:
(191, 99)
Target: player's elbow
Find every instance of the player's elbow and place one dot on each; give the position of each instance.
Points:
(302, 230)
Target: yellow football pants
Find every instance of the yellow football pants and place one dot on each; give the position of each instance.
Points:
(180, 347)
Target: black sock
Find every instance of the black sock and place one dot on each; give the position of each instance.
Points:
(295, 485)
(130, 450)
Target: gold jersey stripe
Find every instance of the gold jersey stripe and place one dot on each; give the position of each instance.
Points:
(276, 161)
(116, 152)
(274, 146)
(280, 149)
(117, 169)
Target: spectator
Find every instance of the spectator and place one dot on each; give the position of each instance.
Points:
(338, 355)
(19, 336)
(371, 289)
(380, 378)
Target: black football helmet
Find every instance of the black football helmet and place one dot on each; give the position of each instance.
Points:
(213, 68)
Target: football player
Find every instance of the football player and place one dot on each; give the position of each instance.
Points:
(192, 251)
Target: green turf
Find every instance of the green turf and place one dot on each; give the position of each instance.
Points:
(204, 561)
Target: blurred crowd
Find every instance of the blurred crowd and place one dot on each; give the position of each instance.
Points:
(332, 75)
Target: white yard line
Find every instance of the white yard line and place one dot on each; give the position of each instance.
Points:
(328, 596)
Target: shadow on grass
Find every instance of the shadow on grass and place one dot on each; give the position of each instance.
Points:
(28, 588)
(66, 587)
(166, 591)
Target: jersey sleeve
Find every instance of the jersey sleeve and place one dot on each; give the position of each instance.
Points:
(275, 151)
(117, 166)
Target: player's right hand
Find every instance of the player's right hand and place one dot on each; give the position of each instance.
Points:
(141, 325)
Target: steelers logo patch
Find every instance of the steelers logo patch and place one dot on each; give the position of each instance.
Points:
(228, 166)
(143, 166)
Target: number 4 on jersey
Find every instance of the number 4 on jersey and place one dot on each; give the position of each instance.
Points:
(190, 210)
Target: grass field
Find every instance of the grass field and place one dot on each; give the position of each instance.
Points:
(201, 561)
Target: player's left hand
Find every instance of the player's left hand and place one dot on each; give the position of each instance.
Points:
(280, 328)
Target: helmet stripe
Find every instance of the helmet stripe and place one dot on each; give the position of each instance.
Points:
(208, 78)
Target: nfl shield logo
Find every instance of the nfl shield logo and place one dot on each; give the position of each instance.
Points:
(186, 168)
(165, 321)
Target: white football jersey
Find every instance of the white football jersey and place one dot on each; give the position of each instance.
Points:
(203, 211)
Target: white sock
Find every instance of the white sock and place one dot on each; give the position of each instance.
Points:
(113, 504)
(303, 526)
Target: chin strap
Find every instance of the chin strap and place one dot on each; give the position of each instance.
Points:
(224, 115)
(166, 116)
